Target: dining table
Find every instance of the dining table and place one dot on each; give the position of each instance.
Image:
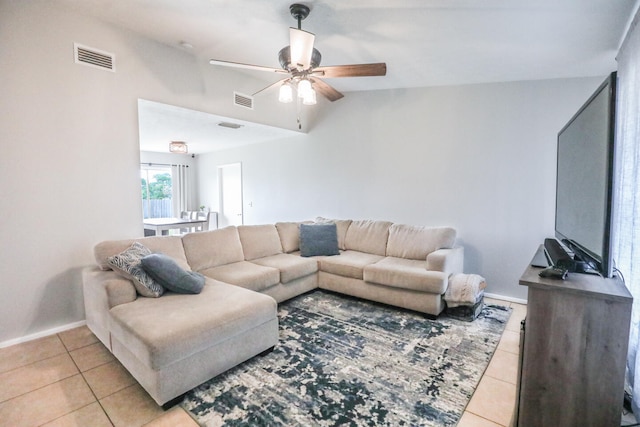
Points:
(161, 224)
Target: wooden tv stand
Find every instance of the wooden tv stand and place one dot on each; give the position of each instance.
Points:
(573, 351)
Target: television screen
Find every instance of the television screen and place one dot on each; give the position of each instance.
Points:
(584, 184)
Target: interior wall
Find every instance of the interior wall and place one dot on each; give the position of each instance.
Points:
(480, 158)
(70, 154)
(70, 159)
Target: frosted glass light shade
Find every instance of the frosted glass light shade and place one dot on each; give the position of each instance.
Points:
(286, 93)
(310, 98)
(304, 87)
(301, 43)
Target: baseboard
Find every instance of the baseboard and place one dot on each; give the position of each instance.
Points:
(504, 298)
(41, 334)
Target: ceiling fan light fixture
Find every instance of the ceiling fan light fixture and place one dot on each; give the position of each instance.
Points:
(301, 43)
(286, 93)
(304, 87)
(301, 62)
(310, 98)
(178, 147)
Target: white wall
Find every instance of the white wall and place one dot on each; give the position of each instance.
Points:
(480, 158)
(69, 163)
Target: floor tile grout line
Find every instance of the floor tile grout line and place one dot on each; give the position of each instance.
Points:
(485, 418)
(88, 385)
(34, 362)
(40, 388)
(97, 400)
(45, 385)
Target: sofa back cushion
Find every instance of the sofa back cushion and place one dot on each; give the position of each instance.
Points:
(414, 242)
(208, 249)
(259, 241)
(368, 236)
(289, 233)
(168, 245)
(342, 225)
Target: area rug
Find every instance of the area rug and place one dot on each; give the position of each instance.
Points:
(345, 361)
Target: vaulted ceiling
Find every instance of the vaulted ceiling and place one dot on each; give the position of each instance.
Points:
(423, 42)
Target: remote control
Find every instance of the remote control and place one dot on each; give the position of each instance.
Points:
(554, 273)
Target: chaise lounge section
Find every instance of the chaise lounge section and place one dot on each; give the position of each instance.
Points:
(175, 342)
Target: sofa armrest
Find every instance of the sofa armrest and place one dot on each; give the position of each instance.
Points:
(446, 260)
(102, 291)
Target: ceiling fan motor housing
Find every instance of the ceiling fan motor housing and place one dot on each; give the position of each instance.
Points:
(284, 56)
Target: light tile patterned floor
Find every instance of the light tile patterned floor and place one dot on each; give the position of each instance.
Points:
(71, 379)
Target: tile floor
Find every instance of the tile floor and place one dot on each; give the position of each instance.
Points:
(71, 379)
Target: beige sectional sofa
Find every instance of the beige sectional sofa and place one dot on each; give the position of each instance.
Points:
(175, 342)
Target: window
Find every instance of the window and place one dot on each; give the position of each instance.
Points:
(156, 191)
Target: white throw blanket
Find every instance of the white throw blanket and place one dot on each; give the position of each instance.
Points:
(464, 289)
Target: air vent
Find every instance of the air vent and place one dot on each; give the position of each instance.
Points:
(243, 100)
(230, 125)
(94, 57)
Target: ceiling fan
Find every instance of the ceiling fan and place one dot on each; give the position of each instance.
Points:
(300, 61)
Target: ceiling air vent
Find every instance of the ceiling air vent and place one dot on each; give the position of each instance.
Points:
(230, 125)
(94, 57)
(243, 100)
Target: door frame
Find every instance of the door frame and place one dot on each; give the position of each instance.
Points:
(221, 192)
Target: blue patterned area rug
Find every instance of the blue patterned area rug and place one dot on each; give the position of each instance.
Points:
(344, 361)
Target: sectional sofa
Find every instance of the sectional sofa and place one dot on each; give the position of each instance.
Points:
(175, 342)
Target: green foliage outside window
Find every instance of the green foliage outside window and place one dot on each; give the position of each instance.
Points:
(158, 188)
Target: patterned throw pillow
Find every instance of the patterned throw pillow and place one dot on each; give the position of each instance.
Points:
(127, 264)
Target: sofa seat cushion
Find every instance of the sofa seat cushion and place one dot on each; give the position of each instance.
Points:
(166, 330)
(406, 274)
(291, 267)
(246, 274)
(348, 263)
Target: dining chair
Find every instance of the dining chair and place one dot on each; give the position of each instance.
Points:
(203, 216)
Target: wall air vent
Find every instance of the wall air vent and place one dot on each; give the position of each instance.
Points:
(243, 100)
(230, 125)
(94, 57)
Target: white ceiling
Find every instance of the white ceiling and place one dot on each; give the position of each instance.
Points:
(424, 42)
(159, 124)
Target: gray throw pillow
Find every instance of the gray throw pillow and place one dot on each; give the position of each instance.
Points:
(166, 271)
(127, 264)
(318, 239)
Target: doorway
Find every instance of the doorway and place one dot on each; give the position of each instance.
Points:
(230, 191)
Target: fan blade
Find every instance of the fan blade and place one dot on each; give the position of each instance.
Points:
(325, 90)
(278, 83)
(301, 43)
(247, 66)
(356, 70)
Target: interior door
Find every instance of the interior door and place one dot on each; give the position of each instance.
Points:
(230, 190)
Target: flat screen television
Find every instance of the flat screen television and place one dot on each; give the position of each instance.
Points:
(585, 180)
